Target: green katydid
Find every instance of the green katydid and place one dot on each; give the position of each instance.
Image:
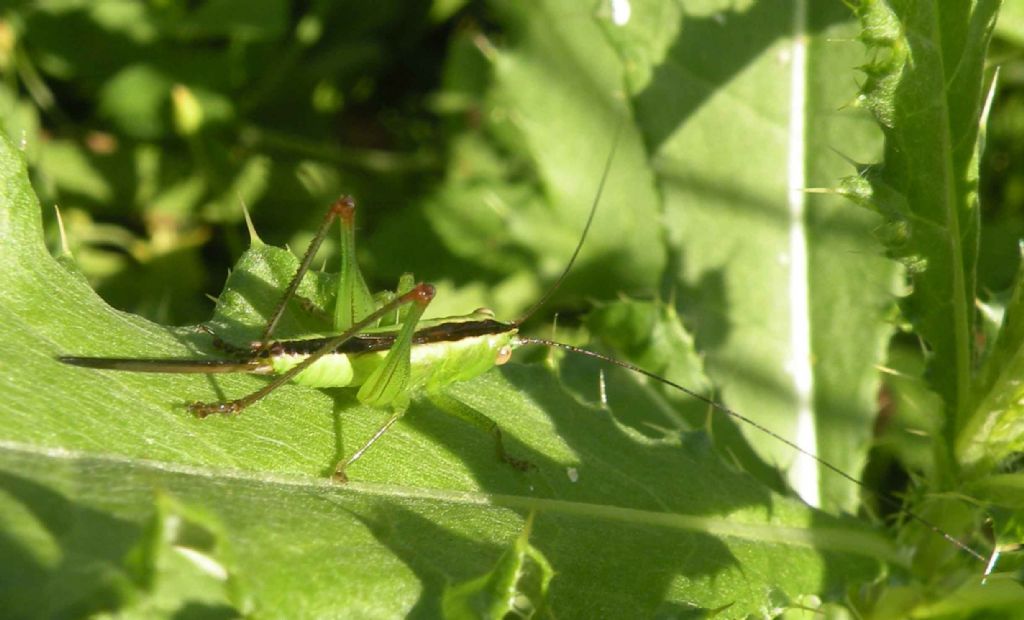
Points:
(382, 347)
(385, 363)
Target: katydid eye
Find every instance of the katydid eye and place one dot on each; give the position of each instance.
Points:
(487, 312)
(504, 355)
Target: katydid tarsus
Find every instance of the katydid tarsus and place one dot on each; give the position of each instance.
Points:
(383, 348)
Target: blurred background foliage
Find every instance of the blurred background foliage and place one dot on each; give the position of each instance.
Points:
(1002, 166)
(149, 124)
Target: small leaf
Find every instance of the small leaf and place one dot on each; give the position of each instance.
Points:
(995, 429)
(926, 87)
(517, 585)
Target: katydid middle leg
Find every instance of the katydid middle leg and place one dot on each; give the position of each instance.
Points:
(452, 407)
(388, 384)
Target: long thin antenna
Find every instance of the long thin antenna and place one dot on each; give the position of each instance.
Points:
(884, 497)
(583, 237)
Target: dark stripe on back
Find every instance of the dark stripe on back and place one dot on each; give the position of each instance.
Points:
(368, 343)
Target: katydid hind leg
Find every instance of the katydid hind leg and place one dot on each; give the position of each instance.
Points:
(480, 421)
(353, 301)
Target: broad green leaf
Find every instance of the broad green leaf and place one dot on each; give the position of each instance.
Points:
(89, 459)
(785, 292)
(926, 88)
(549, 94)
(479, 180)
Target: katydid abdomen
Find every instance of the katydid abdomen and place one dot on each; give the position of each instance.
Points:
(432, 365)
(447, 351)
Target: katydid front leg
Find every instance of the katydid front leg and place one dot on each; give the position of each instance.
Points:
(388, 385)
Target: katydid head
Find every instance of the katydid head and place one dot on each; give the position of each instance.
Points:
(504, 354)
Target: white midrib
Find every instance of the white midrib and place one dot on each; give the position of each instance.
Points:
(804, 473)
(738, 526)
